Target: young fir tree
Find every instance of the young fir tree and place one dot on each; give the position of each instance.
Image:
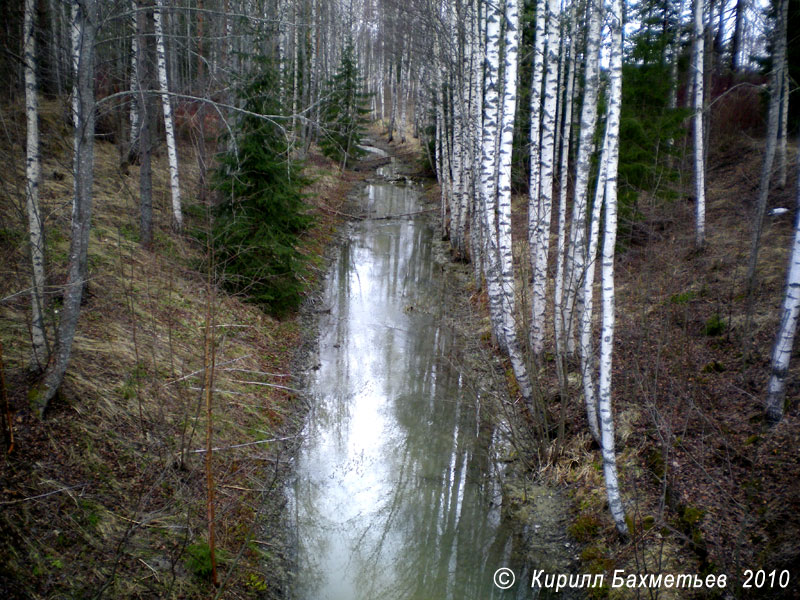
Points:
(344, 110)
(258, 224)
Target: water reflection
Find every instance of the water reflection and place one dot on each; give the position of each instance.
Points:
(396, 493)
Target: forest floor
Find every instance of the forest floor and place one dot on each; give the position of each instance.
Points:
(107, 494)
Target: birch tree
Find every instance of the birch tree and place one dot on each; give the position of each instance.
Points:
(169, 127)
(561, 320)
(609, 244)
(699, 111)
(771, 142)
(504, 242)
(543, 201)
(83, 164)
(489, 189)
(784, 342)
(39, 347)
(578, 261)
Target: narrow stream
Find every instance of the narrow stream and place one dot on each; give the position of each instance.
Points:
(396, 493)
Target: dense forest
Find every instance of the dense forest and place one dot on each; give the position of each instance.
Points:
(619, 177)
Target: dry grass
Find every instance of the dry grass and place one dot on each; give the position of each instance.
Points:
(105, 493)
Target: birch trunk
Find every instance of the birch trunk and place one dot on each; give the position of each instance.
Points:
(609, 243)
(699, 140)
(561, 319)
(169, 127)
(475, 231)
(504, 241)
(489, 189)
(576, 253)
(790, 312)
(773, 123)
(544, 202)
(33, 170)
(580, 261)
(43, 392)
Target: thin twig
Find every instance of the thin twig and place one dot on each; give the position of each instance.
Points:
(65, 489)
(280, 439)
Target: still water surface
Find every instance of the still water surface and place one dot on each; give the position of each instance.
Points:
(396, 494)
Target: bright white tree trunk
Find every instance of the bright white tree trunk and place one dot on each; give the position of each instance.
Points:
(577, 267)
(576, 252)
(609, 243)
(561, 319)
(790, 311)
(169, 127)
(546, 162)
(504, 242)
(33, 170)
(699, 111)
(489, 155)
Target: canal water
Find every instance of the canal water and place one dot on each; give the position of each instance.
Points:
(397, 491)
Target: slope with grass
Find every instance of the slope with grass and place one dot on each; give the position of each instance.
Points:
(107, 494)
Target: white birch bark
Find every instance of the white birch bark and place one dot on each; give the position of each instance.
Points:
(561, 320)
(489, 155)
(504, 241)
(580, 260)
(587, 299)
(476, 231)
(544, 201)
(609, 243)
(169, 127)
(790, 312)
(33, 170)
(576, 252)
(699, 140)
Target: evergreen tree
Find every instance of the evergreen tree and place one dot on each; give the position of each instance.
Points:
(262, 215)
(649, 128)
(344, 110)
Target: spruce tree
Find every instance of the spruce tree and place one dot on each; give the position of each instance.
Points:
(343, 112)
(261, 216)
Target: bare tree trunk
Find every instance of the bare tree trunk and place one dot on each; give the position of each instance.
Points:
(504, 245)
(578, 261)
(544, 201)
(782, 352)
(699, 140)
(43, 392)
(736, 41)
(561, 319)
(609, 243)
(773, 123)
(144, 80)
(784, 126)
(169, 127)
(39, 344)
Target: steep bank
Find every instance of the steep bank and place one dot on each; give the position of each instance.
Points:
(107, 495)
